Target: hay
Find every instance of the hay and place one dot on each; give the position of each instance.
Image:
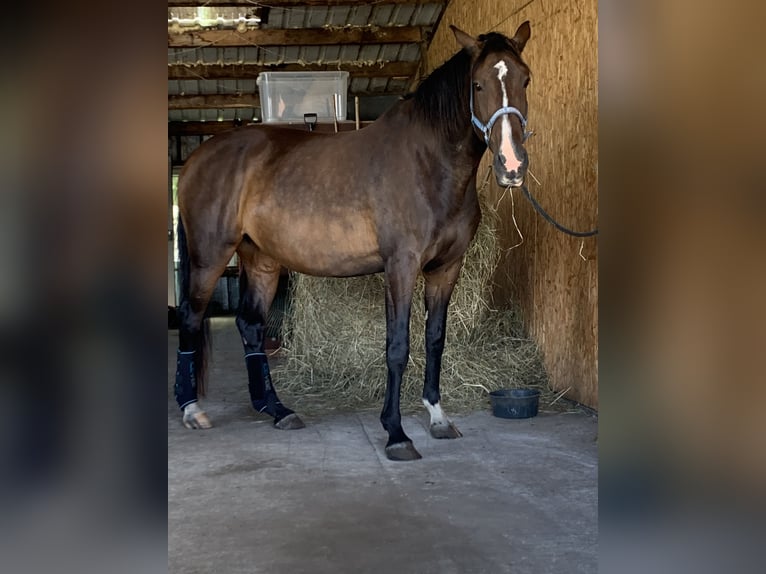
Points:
(335, 333)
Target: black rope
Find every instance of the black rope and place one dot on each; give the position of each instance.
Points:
(552, 221)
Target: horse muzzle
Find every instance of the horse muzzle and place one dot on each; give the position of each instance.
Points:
(510, 173)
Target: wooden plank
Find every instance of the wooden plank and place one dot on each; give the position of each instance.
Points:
(300, 37)
(211, 128)
(244, 100)
(282, 3)
(250, 71)
(213, 101)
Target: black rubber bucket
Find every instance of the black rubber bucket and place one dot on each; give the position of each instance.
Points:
(514, 403)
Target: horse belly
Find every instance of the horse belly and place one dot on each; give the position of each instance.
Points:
(339, 248)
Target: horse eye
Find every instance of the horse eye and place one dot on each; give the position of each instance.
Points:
(477, 86)
(526, 82)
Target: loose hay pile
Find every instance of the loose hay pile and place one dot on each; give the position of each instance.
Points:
(335, 334)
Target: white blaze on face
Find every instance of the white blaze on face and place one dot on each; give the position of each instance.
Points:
(512, 163)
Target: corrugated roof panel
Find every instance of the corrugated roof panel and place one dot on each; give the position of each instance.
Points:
(227, 86)
(330, 54)
(360, 15)
(271, 55)
(230, 54)
(349, 53)
(174, 87)
(175, 115)
(317, 16)
(398, 85)
(310, 53)
(426, 14)
(295, 18)
(208, 87)
(338, 15)
(189, 86)
(359, 85)
(249, 55)
(389, 52)
(369, 53)
(291, 53)
(191, 115)
(378, 84)
(409, 53)
(209, 115)
(381, 15)
(246, 86)
(208, 55)
(187, 55)
(276, 18)
(403, 14)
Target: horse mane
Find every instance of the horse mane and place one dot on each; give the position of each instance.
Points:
(442, 98)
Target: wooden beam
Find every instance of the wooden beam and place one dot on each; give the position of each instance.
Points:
(250, 100)
(198, 128)
(282, 3)
(212, 128)
(299, 36)
(249, 71)
(213, 101)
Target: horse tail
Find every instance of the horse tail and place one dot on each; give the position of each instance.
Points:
(200, 341)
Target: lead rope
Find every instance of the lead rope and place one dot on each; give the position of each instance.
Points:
(552, 221)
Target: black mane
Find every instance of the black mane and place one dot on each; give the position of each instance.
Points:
(441, 99)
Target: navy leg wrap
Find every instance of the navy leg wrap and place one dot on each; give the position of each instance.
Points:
(259, 381)
(186, 382)
(262, 394)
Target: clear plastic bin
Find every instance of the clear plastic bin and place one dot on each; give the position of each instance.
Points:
(287, 96)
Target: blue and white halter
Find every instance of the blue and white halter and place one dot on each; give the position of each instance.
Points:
(486, 129)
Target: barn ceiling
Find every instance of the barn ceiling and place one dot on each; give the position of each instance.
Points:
(217, 48)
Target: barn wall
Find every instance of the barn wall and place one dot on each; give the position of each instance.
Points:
(556, 289)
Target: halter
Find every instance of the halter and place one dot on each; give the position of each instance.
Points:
(486, 129)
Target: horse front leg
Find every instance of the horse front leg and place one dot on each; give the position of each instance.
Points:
(439, 285)
(401, 274)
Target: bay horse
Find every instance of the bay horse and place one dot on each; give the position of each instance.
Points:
(397, 197)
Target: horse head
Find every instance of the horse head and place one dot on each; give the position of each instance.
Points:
(498, 100)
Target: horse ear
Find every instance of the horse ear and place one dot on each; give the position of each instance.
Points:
(522, 35)
(468, 42)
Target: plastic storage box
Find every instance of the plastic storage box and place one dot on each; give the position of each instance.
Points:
(287, 96)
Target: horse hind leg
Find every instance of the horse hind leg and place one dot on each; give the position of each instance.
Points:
(198, 278)
(259, 277)
(192, 346)
(439, 285)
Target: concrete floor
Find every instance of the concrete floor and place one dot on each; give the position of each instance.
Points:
(511, 496)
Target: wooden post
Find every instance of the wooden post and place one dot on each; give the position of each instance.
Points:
(335, 111)
(356, 110)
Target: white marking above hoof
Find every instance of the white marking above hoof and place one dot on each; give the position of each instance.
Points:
(195, 418)
(441, 426)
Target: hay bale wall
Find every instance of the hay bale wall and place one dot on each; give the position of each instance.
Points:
(556, 290)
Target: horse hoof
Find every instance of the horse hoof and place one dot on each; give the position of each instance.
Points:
(290, 422)
(197, 420)
(402, 451)
(445, 431)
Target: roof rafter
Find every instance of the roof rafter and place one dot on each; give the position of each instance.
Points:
(250, 71)
(298, 36)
